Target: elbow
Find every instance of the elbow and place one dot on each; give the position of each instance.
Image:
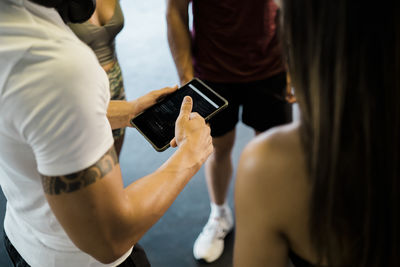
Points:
(114, 240)
(107, 248)
(110, 237)
(111, 257)
(108, 253)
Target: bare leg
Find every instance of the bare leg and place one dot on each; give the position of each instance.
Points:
(219, 168)
(209, 245)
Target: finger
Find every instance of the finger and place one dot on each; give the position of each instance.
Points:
(196, 116)
(193, 115)
(165, 91)
(209, 129)
(168, 90)
(210, 150)
(173, 143)
(186, 107)
(171, 89)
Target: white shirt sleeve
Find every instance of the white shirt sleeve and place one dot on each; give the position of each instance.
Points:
(63, 97)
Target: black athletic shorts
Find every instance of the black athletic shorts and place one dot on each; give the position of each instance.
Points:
(263, 105)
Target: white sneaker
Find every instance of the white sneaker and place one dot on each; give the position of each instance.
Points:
(209, 245)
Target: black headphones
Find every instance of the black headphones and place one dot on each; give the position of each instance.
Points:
(75, 11)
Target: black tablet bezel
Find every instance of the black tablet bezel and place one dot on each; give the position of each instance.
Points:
(139, 122)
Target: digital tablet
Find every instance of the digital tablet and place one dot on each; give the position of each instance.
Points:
(157, 123)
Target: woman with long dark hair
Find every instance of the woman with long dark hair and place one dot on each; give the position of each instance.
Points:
(325, 191)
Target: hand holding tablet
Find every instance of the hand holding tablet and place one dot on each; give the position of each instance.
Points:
(157, 123)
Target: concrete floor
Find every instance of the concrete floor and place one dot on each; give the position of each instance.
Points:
(147, 64)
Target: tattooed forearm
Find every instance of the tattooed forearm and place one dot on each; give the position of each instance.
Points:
(55, 185)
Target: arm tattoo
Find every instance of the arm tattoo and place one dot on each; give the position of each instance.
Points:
(55, 185)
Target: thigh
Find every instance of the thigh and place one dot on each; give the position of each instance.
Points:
(117, 91)
(264, 104)
(226, 120)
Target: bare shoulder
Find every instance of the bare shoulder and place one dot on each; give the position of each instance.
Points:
(277, 151)
(271, 173)
(271, 199)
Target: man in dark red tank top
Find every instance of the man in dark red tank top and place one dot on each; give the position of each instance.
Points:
(234, 48)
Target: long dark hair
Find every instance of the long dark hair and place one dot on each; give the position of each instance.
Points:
(344, 59)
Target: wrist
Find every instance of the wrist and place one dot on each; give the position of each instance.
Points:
(130, 112)
(133, 109)
(189, 155)
(186, 78)
(181, 164)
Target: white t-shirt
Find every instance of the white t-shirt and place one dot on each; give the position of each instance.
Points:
(53, 103)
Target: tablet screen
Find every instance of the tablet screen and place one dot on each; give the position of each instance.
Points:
(157, 123)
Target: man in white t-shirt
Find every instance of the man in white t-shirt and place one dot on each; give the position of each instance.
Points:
(66, 204)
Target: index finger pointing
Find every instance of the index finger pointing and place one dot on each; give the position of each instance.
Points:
(186, 107)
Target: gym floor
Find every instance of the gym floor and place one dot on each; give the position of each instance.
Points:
(147, 64)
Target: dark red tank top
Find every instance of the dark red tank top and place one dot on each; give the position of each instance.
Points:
(235, 40)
